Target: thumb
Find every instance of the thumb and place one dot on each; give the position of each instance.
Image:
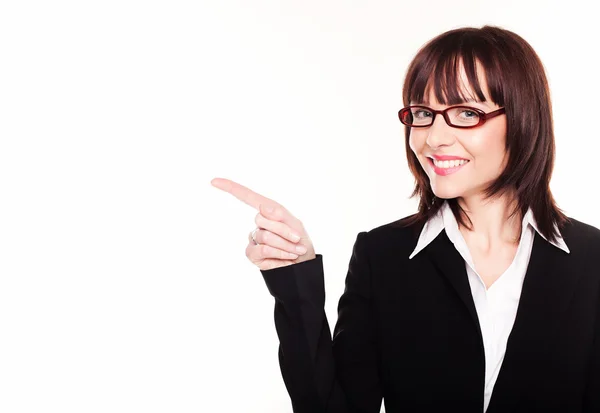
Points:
(266, 211)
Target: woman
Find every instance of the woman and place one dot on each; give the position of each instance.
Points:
(486, 299)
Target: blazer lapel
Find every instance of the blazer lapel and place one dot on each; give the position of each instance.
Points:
(547, 289)
(450, 263)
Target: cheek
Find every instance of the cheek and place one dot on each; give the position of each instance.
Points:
(411, 142)
(416, 140)
(488, 150)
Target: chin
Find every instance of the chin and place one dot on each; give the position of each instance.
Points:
(447, 193)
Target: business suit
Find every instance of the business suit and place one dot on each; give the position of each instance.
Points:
(407, 330)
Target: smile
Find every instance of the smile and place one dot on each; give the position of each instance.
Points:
(446, 167)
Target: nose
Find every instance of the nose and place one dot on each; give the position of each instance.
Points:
(440, 133)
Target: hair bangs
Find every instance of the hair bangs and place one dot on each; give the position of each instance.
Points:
(449, 69)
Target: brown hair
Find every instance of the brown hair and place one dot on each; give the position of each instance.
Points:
(516, 80)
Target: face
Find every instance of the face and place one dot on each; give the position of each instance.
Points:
(461, 163)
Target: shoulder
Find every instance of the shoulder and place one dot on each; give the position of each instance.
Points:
(580, 236)
(398, 235)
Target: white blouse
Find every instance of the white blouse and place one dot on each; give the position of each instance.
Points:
(497, 306)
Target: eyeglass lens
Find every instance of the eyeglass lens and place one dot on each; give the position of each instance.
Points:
(458, 116)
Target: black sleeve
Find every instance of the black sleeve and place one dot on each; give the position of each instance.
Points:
(591, 402)
(321, 375)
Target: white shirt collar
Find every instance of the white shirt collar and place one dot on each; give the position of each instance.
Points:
(445, 219)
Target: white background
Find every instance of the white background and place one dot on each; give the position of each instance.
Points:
(124, 286)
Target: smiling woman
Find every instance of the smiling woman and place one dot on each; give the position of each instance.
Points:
(487, 299)
(497, 72)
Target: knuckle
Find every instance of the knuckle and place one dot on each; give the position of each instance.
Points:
(264, 250)
(251, 253)
(280, 212)
(284, 229)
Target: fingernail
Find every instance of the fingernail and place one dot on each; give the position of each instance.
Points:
(300, 249)
(269, 209)
(295, 237)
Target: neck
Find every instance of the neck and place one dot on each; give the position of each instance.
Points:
(490, 218)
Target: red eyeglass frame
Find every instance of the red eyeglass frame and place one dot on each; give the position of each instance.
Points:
(483, 116)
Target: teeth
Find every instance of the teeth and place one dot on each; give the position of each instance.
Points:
(449, 164)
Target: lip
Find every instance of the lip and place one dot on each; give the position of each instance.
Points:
(446, 157)
(445, 171)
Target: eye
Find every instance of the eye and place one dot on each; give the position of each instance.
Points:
(421, 113)
(468, 114)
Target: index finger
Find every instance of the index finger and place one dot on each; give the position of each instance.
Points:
(242, 193)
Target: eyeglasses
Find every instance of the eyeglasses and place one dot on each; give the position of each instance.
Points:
(463, 117)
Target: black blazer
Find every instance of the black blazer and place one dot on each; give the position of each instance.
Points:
(407, 330)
